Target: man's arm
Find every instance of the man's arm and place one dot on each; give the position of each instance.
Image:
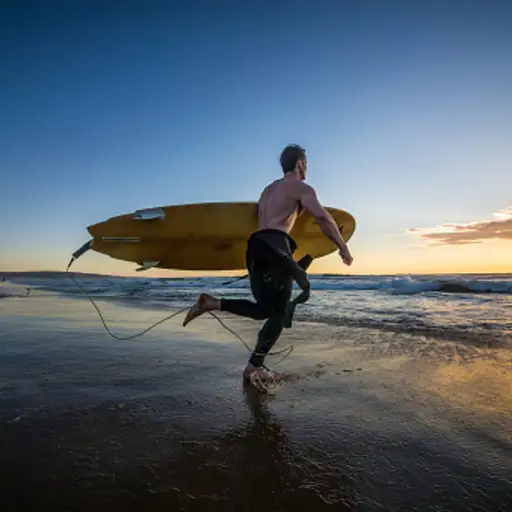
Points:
(309, 201)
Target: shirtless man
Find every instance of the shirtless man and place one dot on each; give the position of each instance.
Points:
(269, 258)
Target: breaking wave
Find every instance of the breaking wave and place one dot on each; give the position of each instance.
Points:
(411, 285)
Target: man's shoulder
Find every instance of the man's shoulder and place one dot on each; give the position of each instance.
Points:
(297, 187)
(304, 187)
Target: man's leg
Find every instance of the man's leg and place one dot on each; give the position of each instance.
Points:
(274, 291)
(268, 335)
(242, 307)
(267, 286)
(260, 271)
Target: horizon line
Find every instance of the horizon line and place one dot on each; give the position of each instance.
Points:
(12, 272)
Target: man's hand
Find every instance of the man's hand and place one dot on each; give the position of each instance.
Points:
(346, 256)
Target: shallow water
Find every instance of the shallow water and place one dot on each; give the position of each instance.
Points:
(366, 418)
(471, 308)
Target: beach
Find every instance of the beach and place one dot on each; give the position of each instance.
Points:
(397, 396)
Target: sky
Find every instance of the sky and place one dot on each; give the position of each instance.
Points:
(404, 109)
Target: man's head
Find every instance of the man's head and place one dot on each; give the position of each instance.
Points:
(293, 160)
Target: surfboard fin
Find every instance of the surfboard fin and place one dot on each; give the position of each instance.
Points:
(149, 214)
(147, 265)
(79, 253)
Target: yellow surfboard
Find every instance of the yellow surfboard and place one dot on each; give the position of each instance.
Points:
(204, 236)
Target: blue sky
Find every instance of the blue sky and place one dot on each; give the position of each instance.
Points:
(404, 108)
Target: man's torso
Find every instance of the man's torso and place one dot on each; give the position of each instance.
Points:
(279, 205)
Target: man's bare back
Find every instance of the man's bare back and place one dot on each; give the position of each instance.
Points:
(279, 205)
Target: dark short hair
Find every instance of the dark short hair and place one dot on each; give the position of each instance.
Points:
(290, 155)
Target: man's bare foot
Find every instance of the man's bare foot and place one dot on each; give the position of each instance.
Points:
(249, 369)
(203, 304)
(259, 376)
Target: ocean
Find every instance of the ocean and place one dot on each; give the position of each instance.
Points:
(398, 396)
(475, 309)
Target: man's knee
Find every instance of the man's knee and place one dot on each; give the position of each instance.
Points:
(264, 310)
(263, 313)
(278, 312)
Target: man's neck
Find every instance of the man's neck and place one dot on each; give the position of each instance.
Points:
(292, 175)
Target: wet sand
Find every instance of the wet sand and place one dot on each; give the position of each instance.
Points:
(365, 420)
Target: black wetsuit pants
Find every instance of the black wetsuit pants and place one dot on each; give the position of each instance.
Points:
(271, 285)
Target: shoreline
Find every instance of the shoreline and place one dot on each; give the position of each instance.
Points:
(62, 273)
(162, 421)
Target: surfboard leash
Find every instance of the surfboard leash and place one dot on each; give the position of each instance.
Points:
(285, 351)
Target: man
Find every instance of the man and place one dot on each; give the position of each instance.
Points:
(269, 258)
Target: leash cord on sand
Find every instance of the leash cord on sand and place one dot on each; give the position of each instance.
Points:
(285, 351)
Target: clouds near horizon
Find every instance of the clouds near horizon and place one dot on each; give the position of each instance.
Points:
(470, 233)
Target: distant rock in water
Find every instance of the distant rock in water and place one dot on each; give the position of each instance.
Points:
(455, 288)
